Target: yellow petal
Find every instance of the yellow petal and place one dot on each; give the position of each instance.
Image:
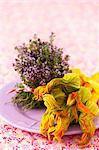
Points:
(95, 77)
(95, 85)
(76, 70)
(50, 101)
(71, 99)
(83, 77)
(93, 107)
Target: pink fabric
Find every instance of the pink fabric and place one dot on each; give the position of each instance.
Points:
(76, 25)
(15, 139)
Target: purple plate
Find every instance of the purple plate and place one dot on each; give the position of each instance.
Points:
(28, 120)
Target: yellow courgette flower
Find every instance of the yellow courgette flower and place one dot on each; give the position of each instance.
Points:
(55, 123)
(86, 99)
(73, 97)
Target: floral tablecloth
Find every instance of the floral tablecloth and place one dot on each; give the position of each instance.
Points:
(15, 139)
(76, 25)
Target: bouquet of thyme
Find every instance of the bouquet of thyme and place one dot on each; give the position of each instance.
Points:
(37, 63)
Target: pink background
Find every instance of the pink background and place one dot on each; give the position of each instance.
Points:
(76, 25)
